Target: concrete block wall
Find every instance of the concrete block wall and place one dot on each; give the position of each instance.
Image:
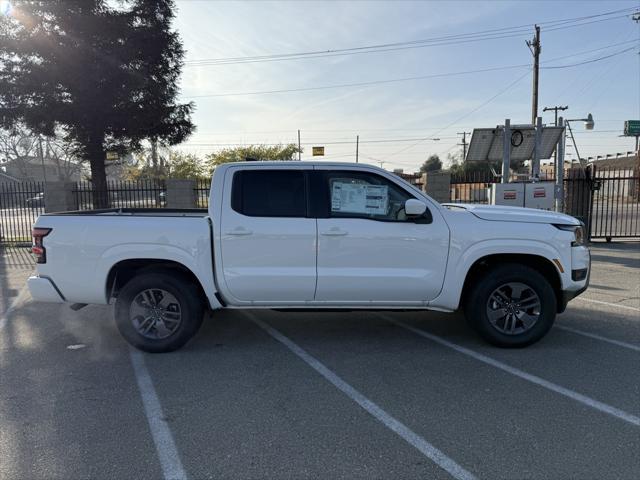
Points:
(181, 193)
(437, 185)
(60, 197)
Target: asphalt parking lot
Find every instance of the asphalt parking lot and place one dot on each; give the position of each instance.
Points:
(265, 394)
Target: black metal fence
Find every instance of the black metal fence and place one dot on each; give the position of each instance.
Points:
(202, 192)
(124, 194)
(471, 187)
(606, 200)
(615, 204)
(578, 191)
(20, 205)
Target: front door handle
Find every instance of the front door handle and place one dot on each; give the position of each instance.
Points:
(334, 232)
(240, 231)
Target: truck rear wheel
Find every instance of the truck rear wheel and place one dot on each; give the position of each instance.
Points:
(512, 305)
(158, 312)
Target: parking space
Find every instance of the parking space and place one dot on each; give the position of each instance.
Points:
(324, 395)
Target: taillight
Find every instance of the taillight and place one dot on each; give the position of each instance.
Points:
(38, 250)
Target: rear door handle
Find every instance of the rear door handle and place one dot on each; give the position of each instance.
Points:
(334, 232)
(240, 231)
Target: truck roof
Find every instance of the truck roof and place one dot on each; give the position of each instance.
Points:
(298, 163)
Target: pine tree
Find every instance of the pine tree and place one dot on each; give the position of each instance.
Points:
(105, 74)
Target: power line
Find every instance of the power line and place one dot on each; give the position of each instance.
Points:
(403, 79)
(577, 92)
(318, 142)
(472, 111)
(591, 61)
(591, 50)
(408, 47)
(493, 34)
(350, 130)
(361, 84)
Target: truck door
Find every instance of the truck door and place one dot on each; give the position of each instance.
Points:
(268, 242)
(369, 252)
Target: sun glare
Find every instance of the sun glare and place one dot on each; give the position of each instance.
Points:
(5, 7)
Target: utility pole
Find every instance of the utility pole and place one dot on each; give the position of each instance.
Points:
(535, 47)
(559, 167)
(357, 145)
(555, 109)
(636, 18)
(464, 144)
(299, 149)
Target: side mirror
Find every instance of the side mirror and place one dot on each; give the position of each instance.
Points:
(414, 208)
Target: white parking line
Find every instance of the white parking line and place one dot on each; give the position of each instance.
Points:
(172, 468)
(601, 338)
(616, 305)
(14, 304)
(578, 397)
(427, 449)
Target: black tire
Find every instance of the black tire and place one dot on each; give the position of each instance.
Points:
(190, 306)
(477, 305)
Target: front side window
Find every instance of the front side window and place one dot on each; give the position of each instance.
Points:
(269, 193)
(365, 195)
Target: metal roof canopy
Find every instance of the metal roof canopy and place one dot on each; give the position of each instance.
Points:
(486, 143)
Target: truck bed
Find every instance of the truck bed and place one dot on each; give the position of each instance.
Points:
(82, 247)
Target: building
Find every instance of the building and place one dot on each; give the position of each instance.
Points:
(37, 169)
(7, 179)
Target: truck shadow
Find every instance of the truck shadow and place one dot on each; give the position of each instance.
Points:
(228, 329)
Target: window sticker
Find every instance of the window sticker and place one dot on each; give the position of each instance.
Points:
(359, 198)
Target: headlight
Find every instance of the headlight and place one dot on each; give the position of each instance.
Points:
(580, 237)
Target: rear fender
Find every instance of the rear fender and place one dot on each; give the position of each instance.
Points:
(199, 264)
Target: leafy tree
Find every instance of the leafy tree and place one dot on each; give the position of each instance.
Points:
(187, 166)
(176, 165)
(432, 164)
(104, 72)
(455, 167)
(252, 152)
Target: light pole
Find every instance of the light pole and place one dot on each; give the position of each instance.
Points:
(555, 110)
(588, 125)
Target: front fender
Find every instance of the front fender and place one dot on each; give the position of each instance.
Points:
(461, 261)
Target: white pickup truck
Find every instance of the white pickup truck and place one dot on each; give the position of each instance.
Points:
(299, 235)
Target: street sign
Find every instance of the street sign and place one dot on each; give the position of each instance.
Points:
(318, 151)
(632, 128)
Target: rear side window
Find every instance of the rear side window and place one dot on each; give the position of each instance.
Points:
(269, 193)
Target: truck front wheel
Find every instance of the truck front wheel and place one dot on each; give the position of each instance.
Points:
(158, 312)
(511, 306)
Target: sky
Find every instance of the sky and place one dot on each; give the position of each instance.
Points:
(397, 121)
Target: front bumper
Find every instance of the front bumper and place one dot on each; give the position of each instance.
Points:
(568, 295)
(42, 289)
